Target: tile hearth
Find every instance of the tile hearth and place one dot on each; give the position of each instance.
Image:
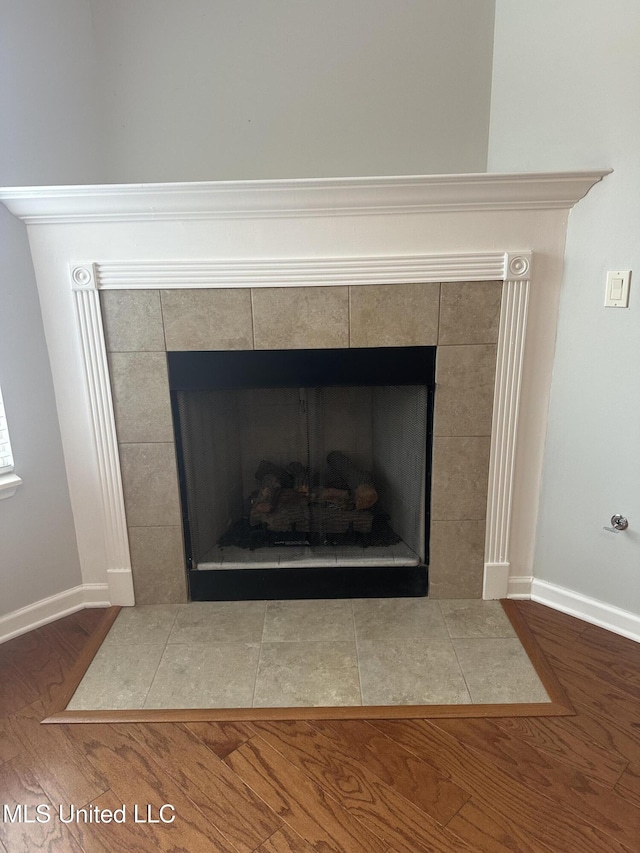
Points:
(267, 654)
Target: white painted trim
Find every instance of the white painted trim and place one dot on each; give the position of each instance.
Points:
(54, 607)
(299, 197)
(120, 582)
(9, 485)
(495, 581)
(520, 586)
(86, 278)
(96, 368)
(506, 404)
(588, 609)
(300, 272)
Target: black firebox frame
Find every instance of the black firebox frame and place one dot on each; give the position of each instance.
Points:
(228, 370)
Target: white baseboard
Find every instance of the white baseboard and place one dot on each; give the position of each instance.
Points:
(590, 610)
(520, 586)
(52, 608)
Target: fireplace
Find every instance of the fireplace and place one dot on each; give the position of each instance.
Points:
(211, 266)
(304, 473)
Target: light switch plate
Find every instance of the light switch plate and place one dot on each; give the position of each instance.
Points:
(617, 291)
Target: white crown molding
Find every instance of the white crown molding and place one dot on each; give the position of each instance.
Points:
(299, 197)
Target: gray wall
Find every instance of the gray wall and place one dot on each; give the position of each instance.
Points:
(48, 136)
(566, 95)
(232, 89)
(170, 90)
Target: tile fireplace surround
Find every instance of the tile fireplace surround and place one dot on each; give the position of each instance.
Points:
(471, 263)
(460, 317)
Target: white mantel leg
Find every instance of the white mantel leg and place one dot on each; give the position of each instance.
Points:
(511, 339)
(87, 301)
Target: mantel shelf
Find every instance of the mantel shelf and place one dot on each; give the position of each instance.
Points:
(300, 197)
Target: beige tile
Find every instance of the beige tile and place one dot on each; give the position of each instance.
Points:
(117, 681)
(301, 317)
(132, 320)
(470, 312)
(471, 619)
(150, 624)
(465, 377)
(219, 622)
(456, 559)
(394, 315)
(141, 402)
(303, 621)
(158, 565)
(307, 674)
(459, 478)
(205, 675)
(418, 673)
(216, 319)
(398, 618)
(150, 485)
(498, 670)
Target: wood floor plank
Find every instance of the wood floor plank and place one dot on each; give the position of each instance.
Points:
(285, 840)
(392, 817)
(9, 746)
(628, 785)
(485, 831)
(135, 778)
(62, 770)
(615, 714)
(42, 669)
(222, 738)
(69, 635)
(218, 792)
(19, 787)
(595, 803)
(570, 745)
(548, 821)
(302, 804)
(415, 780)
(107, 837)
(15, 691)
(545, 622)
(616, 740)
(586, 658)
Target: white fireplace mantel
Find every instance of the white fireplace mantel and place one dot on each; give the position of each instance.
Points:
(363, 231)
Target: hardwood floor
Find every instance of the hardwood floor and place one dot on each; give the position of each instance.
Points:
(542, 785)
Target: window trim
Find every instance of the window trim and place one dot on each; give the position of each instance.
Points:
(9, 480)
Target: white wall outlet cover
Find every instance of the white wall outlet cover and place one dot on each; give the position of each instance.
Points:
(617, 290)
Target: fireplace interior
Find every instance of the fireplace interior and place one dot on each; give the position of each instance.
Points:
(304, 473)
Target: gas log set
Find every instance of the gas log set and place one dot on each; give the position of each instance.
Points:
(289, 500)
(291, 506)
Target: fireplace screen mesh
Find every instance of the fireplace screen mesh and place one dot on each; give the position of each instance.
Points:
(268, 474)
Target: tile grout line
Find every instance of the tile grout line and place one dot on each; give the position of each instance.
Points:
(164, 648)
(464, 678)
(355, 639)
(255, 680)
